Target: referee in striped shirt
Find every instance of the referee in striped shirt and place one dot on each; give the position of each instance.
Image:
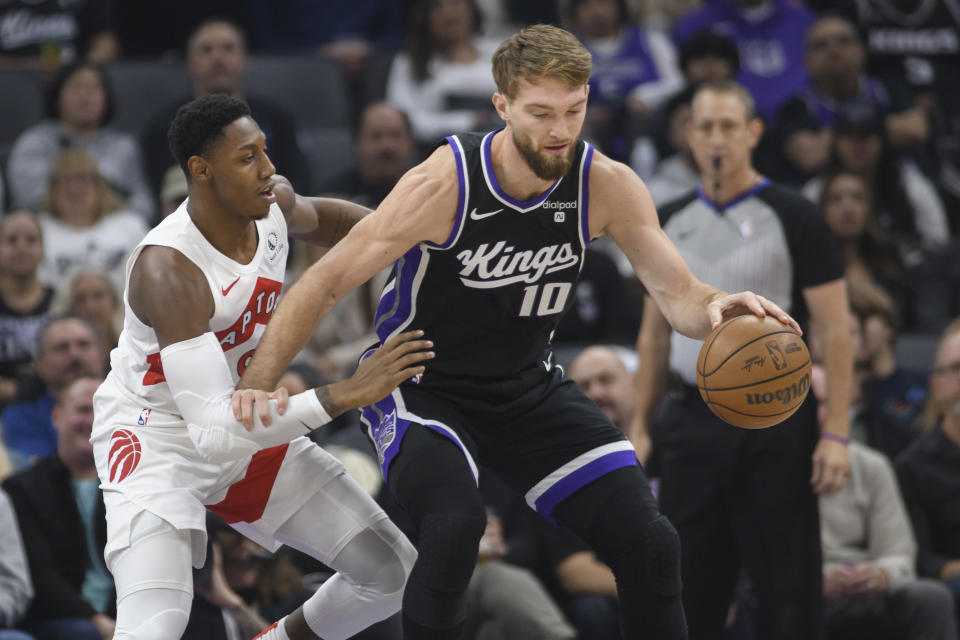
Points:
(745, 499)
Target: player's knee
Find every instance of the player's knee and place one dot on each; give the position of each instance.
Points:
(448, 544)
(378, 559)
(645, 555)
(163, 625)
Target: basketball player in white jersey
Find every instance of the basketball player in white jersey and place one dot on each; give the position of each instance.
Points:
(200, 288)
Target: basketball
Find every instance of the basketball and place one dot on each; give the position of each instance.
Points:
(753, 372)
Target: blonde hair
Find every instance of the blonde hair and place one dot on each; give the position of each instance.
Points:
(73, 160)
(63, 299)
(540, 51)
(932, 411)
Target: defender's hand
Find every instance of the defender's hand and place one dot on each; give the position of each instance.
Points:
(247, 401)
(738, 304)
(380, 373)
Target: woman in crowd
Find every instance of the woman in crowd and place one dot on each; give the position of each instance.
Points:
(79, 109)
(84, 220)
(442, 77)
(24, 301)
(907, 204)
(88, 292)
(870, 254)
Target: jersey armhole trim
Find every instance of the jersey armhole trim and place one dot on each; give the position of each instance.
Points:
(463, 195)
(585, 163)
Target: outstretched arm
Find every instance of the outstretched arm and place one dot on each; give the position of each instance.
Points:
(422, 207)
(621, 206)
(196, 370)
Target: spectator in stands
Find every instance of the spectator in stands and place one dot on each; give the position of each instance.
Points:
(42, 34)
(707, 56)
(835, 58)
(914, 42)
(769, 35)
(88, 292)
(603, 376)
(634, 71)
(24, 300)
(349, 31)
(442, 77)
(870, 253)
(216, 63)
(67, 349)
(907, 204)
(506, 602)
(84, 221)
(888, 386)
(938, 285)
(79, 110)
(870, 426)
(869, 577)
(929, 471)
(676, 174)
(16, 588)
(662, 157)
(383, 145)
(60, 509)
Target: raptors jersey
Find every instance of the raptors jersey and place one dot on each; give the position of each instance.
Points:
(491, 296)
(245, 296)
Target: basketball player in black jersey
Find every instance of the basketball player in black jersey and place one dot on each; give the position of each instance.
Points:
(487, 236)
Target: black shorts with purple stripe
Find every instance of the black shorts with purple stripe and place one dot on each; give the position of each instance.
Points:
(537, 431)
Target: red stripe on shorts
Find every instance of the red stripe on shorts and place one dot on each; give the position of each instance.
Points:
(247, 498)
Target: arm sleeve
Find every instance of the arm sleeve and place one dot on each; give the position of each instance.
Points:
(200, 382)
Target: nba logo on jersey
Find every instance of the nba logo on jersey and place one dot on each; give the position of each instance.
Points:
(144, 416)
(417, 378)
(559, 216)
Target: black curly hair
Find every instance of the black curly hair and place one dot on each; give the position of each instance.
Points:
(200, 122)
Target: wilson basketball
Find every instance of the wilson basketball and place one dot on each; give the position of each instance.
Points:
(753, 372)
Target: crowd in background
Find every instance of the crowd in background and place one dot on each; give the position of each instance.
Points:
(860, 104)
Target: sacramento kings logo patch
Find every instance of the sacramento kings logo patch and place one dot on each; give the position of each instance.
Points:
(124, 454)
(386, 433)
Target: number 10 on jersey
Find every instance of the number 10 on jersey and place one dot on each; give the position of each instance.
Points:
(552, 299)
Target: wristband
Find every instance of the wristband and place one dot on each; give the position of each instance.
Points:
(835, 438)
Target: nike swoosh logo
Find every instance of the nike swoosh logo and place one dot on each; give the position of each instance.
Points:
(480, 216)
(226, 290)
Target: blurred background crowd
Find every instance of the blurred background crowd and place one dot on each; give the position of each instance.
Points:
(860, 103)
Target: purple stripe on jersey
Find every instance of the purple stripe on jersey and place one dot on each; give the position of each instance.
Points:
(566, 486)
(396, 307)
(585, 203)
(461, 191)
(491, 176)
(763, 184)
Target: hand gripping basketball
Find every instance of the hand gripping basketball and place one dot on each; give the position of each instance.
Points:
(753, 372)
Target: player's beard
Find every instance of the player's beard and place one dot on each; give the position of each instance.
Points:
(543, 166)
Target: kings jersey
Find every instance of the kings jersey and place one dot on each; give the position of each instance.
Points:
(492, 294)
